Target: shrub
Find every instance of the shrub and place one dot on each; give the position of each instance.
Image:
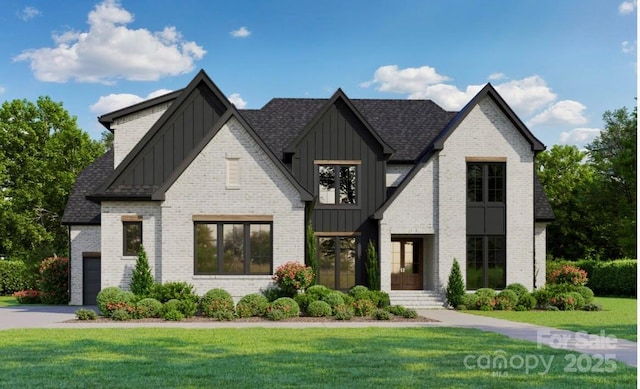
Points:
(148, 307)
(272, 293)
(379, 298)
(461, 307)
(592, 307)
(568, 274)
(578, 299)
(171, 305)
(28, 296)
(586, 293)
(120, 315)
(455, 286)
(542, 296)
(520, 290)
(252, 305)
(54, 280)
(359, 292)
(469, 301)
(216, 303)
(318, 291)
(410, 313)
(381, 314)
(141, 278)
(304, 299)
(292, 277)
(282, 308)
(397, 310)
(373, 274)
(86, 314)
(173, 290)
(506, 300)
(486, 299)
(312, 253)
(526, 303)
(348, 299)
(363, 307)
(125, 301)
(614, 278)
(564, 301)
(109, 296)
(334, 298)
(343, 312)
(319, 309)
(173, 315)
(188, 307)
(14, 277)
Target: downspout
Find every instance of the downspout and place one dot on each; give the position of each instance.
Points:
(533, 186)
(69, 264)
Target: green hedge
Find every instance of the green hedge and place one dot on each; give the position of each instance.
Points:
(606, 278)
(13, 277)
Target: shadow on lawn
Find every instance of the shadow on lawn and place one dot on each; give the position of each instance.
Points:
(363, 357)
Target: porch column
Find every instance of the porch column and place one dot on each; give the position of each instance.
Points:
(384, 256)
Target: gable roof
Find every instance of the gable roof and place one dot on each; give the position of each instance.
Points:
(339, 95)
(542, 208)
(107, 119)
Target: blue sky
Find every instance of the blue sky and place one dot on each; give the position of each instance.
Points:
(559, 64)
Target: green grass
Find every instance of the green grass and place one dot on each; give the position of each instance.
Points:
(7, 301)
(618, 317)
(283, 358)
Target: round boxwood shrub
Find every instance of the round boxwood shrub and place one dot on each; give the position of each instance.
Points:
(217, 302)
(319, 309)
(469, 301)
(333, 298)
(86, 314)
(526, 303)
(120, 315)
(252, 305)
(381, 314)
(149, 307)
(318, 290)
(520, 290)
(397, 310)
(282, 308)
(173, 315)
(171, 305)
(578, 300)
(587, 294)
(379, 298)
(359, 292)
(112, 298)
(486, 299)
(506, 300)
(173, 290)
(343, 312)
(410, 314)
(363, 307)
(304, 299)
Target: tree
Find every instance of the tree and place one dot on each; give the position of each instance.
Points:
(106, 138)
(455, 285)
(141, 278)
(42, 150)
(613, 155)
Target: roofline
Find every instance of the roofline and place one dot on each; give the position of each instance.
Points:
(489, 91)
(80, 223)
(339, 94)
(99, 197)
(108, 118)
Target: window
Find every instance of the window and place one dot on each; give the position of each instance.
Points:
(233, 248)
(337, 183)
(337, 262)
(486, 225)
(132, 237)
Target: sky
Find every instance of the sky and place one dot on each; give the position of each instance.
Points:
(559, 64)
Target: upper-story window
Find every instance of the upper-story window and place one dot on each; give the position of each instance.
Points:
(338, 182)
(132, 237)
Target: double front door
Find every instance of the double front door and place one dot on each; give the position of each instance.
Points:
(406, 264)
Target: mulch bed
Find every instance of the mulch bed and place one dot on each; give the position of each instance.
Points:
(304, 319)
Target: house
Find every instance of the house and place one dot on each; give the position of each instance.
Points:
(220, 196)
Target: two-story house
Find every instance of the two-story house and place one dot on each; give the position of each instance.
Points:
(220, 197)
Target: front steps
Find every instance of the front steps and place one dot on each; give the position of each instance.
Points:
(417, 299)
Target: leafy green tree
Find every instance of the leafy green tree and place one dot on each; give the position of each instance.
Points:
(141, 278)
(106, 138)
(42, 150)
(613, 155)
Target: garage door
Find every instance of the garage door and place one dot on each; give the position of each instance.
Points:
(90, 278)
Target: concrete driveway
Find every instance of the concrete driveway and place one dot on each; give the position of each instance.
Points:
(36, 316)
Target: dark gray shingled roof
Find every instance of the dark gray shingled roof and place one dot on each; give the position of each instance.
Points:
(79, 210)
(408, 126)
(542, 209)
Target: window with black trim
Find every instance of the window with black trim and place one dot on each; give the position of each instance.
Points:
(337, 184)
(233, 248)
(337, 262)
(132, 237)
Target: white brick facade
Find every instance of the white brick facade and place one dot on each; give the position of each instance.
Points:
(541, 254)
(396, 173)
(83, 239)
(130, 129)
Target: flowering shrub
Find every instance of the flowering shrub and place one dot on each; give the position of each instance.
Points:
(28, 296)
(563, 301)
(292, 277)
(217, 303)
(363, 307)
(568, 274)
(282, 308)
(54, 280)
(252, 305)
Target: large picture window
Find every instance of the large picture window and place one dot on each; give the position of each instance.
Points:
(337, 183)
(337, 262)
(132, 237)
(233, 248)
(486, 225)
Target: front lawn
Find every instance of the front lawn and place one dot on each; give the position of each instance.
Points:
(7, 301)
(294, 358)
(618, 317)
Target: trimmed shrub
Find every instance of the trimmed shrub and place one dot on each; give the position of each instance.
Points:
(586, 293)
(319, 291)
(592, 307)
(54, 280)
(486, 299)
(455, 286)
(578, 300)
(381, 314)
(614, 278)
(363, 307)
(28, 296)
(410, 313)
(568, 274)
(126, 301)
(252, 305)
(564, 301)
(282, 308)
(149, 307)
(292, 277)
(379, 298)
(14, 277)
(304, 299)
(348, 299)
(217, 303)
(171, 305)
(343, 312)
(506, 300)
(86, 314)
(319, 309)
(112, 298)
(188, 307)
(397, 310)
(173, 290)
(526, 303)
(359, 292)
(120, 315)
(469, 301)
(334, 298)
(173, 315)
(542, 296)
(141, 278)
(272, 293)
(520, 290)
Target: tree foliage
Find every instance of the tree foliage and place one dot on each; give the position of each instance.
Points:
(42, 150)
(141, 278)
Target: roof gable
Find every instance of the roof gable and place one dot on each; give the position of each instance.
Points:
(338, 97)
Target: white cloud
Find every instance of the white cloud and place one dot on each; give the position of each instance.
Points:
(410, 80)
(496, 76)
(627, 7)
(579, 136)
(562, 112)
(109, 51)
(237, 101)
(242, 32)
(113, 102)
(628, 47)
(527, 95)
(28, 13)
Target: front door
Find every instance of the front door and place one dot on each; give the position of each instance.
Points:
(406, 264)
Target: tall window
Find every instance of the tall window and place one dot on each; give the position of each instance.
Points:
(337, 262)
(132, 237)
(337, 184)
(486, 225)
(233, 248)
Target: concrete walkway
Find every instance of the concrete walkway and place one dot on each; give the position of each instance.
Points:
(34, 316)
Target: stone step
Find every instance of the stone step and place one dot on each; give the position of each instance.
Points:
(417, 299)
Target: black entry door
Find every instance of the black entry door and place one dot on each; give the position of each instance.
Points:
(90, 279)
